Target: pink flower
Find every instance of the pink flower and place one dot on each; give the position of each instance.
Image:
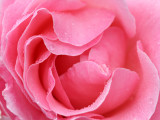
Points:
(80, 59)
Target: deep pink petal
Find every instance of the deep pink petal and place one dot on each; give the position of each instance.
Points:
(111, 48)
(82, 26)
(119, 7)
(144, 102)
(64, 62)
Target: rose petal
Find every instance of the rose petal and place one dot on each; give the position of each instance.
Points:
(148, 32)
(59, 48)
(90, 116)
(10, 19)
(143, 104)
(58, 91)
(156, 115)
(35, 51)
(62, 110)
(54, 5)
(148, 26)
(19, 69)
(119, 7)
(59, 108)
(4, 110)
(82, 26)
(3, 6)
(87, 74)
(111, 48)
(123, 86)
(10, 52)
(42, 27)
(16, 101)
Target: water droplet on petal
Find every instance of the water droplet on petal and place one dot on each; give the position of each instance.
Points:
(150, 101)
(37, 102)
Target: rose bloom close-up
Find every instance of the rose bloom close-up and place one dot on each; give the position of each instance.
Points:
(80, 59)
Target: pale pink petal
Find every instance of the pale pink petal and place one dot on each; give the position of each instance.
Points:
(16, 101)
(82, 26)
(84, 76)
(119, 7)
(54, 5)
(111, 48)
(59, 48)
(143, 103)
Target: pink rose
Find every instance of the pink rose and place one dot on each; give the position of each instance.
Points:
(80, 59)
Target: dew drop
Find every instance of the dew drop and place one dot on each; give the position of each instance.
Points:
(150, 101)
(51, 47)
(38, 102)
